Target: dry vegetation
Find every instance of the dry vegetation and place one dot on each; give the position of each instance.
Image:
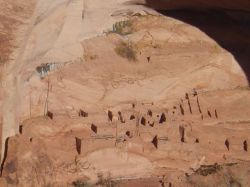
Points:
(1, 60)
(123, 27)
(79, 183)
(126, 50)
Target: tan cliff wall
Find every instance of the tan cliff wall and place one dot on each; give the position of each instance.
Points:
(16, 15)
(14, 19)
(173, 57)
(46, 31)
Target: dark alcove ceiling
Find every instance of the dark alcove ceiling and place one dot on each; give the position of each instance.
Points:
(226, 21)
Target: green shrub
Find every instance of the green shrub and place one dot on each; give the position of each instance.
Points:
(123, 27)
(126, 50)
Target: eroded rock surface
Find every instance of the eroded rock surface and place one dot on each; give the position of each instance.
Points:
(135, 98)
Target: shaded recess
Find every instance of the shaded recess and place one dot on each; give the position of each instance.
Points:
(229, 27)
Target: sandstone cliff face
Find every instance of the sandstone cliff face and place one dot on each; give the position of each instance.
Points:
(14, 20)
(110, 93)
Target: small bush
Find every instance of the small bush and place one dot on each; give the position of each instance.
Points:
(216, 48)
(206, 170)
(126, 50)
(79, 183)
(2, 60)
(123, 27)
(105, 182)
